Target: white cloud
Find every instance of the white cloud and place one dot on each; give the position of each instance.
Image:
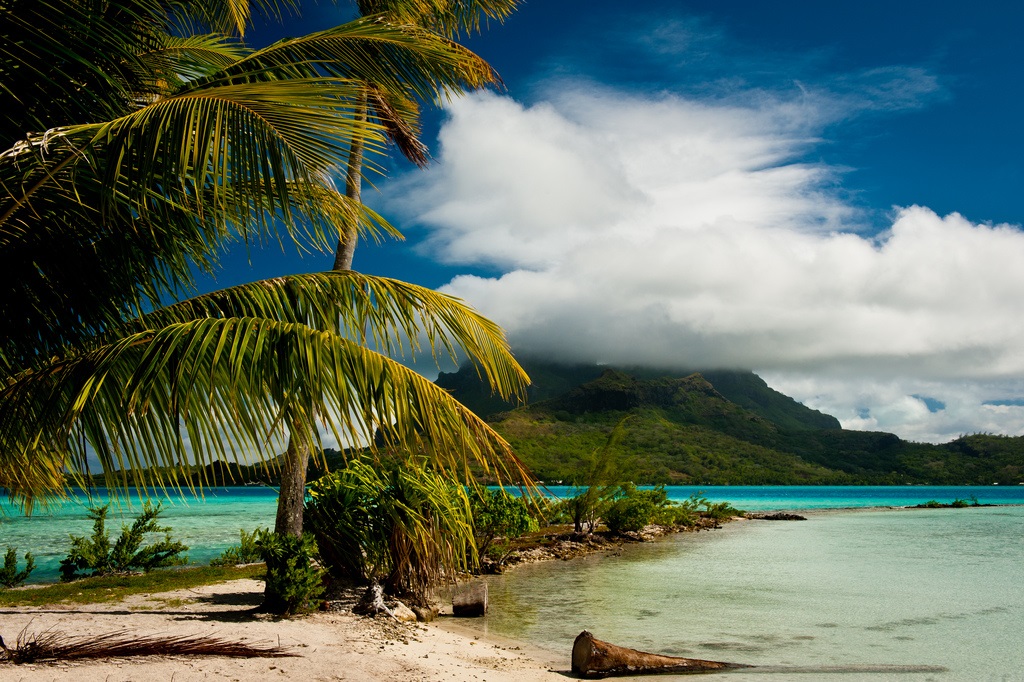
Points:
(880, 404)
(676, 232)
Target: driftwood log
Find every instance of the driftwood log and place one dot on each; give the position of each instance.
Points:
(593, 658)
(471, 600)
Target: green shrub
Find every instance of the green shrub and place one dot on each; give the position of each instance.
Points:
(245, 552)
(932, 504)
(294, 577)
(683, 513)
(717, 511)
(97, 557)
(398, 523)
(632, 509)
(499, 518)
(10, 576)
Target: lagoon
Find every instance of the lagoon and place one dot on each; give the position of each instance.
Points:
(851, 595)
(211, 523)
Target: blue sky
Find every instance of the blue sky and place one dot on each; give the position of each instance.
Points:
(826, 193)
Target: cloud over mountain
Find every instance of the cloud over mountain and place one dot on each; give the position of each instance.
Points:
(677, 232)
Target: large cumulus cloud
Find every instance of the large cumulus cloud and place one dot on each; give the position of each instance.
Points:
(680, 232)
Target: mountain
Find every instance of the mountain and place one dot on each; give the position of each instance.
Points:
(551, 380)
(714, 427)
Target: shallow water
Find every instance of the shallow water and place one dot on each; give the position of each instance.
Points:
(210, 524)
(853, 595)
(765, 497)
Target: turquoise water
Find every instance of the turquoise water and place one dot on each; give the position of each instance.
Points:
(762, 498)
(851, 595)
(208, 525)
(211, 524)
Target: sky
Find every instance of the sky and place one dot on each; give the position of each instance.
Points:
(828, 194)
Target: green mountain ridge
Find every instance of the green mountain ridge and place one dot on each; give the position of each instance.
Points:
(715, 427)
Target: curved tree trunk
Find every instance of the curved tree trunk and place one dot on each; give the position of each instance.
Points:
(353, 190)
(296, 460)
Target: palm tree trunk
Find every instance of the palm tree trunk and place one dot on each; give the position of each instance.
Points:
(293, 489)
(353, 190)
(296, 460)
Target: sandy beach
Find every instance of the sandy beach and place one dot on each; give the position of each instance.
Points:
(333, 645)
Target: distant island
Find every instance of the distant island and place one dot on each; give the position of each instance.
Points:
(716, 427)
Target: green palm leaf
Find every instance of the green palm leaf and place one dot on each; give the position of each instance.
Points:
(214, 388)
(450, 17)
(400, 58)
(391, 316)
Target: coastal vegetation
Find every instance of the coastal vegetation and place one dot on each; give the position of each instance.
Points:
(10, 576)
(245, 552)
(294, 577)
(401, 524)
(498, 520)
(95, 556)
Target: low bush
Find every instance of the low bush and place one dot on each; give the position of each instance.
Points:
(245, 552)
(94, 555)
(294, 577)
(631, 509)
(10, 576)
(399, 523)
(720, 511)
(499, 518)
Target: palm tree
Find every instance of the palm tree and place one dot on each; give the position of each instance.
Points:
(137, 150)
(398, 116)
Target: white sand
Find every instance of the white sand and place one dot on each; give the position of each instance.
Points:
(329, 646)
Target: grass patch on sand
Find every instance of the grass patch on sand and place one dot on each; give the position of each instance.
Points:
(116, 587)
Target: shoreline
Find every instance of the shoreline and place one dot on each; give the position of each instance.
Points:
(334, 645)
(329, 645)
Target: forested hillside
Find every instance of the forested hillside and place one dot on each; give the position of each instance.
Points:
(716, 427)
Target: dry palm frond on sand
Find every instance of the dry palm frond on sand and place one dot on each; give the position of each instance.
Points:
(53, 645)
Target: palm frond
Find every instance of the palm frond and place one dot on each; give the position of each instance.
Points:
(179, 59)
(450, 17)
(400, 118)
(223, 389)
(53, 645)
(251, 137)
(398, 58)
(391, 316)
